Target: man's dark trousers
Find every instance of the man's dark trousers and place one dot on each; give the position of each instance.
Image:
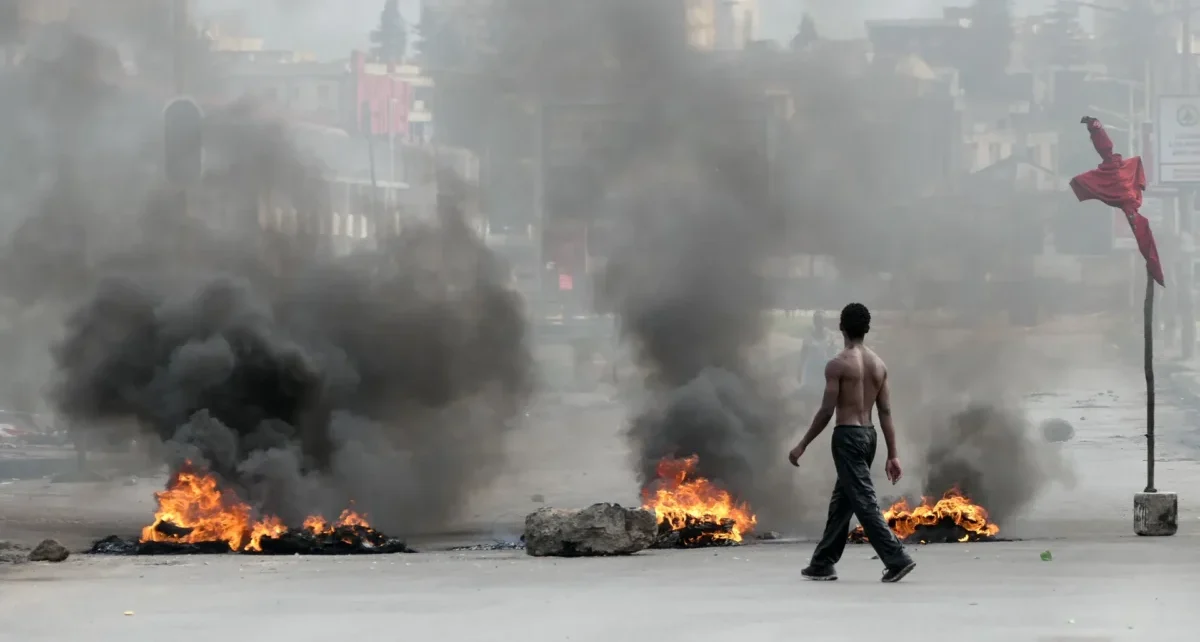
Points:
(854, 494)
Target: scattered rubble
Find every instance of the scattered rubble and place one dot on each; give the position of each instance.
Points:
(600, 529)
(49, 551)
(1057, 430)
(13, 553)
(494, 546)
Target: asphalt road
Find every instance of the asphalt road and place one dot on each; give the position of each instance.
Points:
(1124, 589)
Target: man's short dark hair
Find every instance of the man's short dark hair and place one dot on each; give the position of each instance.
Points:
(856, 321)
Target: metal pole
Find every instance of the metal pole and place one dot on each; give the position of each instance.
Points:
(391, 140)
(180, 13)
(1132, 122)
(1187, 195)
(180, 17)
(369, 132)
(1146, 81)
(1148, 358)
(539, 193)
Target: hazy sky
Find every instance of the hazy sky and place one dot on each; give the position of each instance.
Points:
(331, 28)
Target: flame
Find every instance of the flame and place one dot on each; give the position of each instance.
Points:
(680, 499)
(320, 526)
(953, 508)
(194, 510)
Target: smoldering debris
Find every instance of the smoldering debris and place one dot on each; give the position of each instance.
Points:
(344, 540)
(951, 518)
(696, 533)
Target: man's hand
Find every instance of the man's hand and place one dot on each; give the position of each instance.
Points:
(1087, 120)
(796, 454)
(893, 470)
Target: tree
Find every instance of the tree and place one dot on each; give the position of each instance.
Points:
(391, 38)
(806, 35)
(1131, 37)
(991, 36)
(1061, 40)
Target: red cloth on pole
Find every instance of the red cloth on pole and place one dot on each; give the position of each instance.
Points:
(1119, 182)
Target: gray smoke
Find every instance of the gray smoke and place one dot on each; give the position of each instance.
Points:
(960, 419)
(683, 186)
(387, 377)
(991, 455)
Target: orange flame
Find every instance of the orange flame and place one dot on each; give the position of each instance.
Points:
(194, 510)
(952, 508)
(320, 526)
(680, 499)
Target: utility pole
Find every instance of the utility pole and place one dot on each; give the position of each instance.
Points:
(1187, 196)
(181, 17)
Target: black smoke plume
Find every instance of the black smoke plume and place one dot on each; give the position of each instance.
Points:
(389, 379)
(304, 377)
(685, 201)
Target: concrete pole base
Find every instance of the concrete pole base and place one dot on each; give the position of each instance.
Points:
(1155, 514)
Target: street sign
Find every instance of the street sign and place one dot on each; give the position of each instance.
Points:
(183, 122)
(1154, 208)
(1179, 139)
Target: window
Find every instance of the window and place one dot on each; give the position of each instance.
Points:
(350, 222)
(337, 224)
(323, 94)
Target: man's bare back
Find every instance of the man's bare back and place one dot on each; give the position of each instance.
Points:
(861, 374)
(855, 382)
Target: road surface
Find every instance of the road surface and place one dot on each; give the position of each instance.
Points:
(1114, 590)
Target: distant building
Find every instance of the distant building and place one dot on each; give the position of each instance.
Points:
(313, 92)
(397, 97)
(941, 42)
(386, 100)
(721, 24)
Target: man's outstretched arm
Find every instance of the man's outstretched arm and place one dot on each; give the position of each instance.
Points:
(833, 388)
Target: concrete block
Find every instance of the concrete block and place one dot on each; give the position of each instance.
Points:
(1155, 514)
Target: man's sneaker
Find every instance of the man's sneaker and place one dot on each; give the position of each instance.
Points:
(819, 573)
(897, 573)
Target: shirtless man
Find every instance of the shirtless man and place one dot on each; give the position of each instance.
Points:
(855, 380)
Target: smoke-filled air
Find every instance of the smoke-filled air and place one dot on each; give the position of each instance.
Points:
(390, 307)
(407, 265)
